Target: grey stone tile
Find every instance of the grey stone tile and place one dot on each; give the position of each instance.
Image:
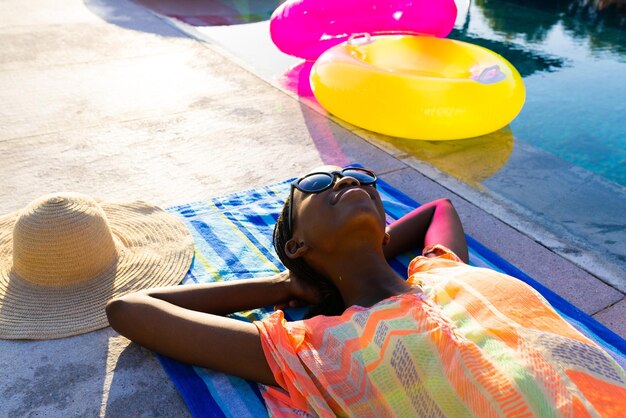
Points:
(338, 145)
(535, 179)
(68, 377)
(384, 142)
(470, 160)
(229, 145)
(123, 14)
(36, 101)
(44, 12)
(596, 212)
(614, 317)
(28, 47)
(165, 159)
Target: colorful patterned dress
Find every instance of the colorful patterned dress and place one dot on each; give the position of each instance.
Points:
(467, 342)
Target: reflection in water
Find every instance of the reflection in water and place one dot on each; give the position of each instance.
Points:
(526, 61)
(591, 19)
(214, 12)
(573, 74)
(599, 12)
(503, 17)
(469, 160)
(602, 22)
(592, 13)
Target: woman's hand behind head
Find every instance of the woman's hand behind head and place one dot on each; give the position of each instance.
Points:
(301, 292)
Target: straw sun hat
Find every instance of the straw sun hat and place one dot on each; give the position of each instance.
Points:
(65, 255)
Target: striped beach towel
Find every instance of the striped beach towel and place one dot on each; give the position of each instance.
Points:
(233, 236)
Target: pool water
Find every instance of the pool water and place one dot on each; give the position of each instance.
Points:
(558, 171)
(575, 74)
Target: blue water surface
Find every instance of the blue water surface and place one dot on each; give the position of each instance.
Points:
(572, 56)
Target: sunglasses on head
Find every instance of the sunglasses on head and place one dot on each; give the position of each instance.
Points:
(319, 181)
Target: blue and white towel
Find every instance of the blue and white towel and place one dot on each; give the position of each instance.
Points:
(233, 241)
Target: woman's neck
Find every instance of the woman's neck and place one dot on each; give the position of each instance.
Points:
(366, 278)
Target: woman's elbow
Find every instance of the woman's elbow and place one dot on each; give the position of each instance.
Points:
(444, 201)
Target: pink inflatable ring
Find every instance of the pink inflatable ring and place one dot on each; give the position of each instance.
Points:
(306, 28)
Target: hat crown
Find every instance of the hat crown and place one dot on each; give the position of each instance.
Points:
(62, 239)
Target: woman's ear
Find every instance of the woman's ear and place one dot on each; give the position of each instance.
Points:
(386, 239)
(295, 249)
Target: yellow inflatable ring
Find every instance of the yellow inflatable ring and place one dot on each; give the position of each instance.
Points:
(418, 87)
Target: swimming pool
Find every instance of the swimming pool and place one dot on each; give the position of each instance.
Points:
(558, 171)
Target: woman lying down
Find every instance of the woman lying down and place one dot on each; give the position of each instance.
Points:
(451, 340)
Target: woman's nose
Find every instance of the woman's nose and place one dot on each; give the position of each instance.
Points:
(345, 182)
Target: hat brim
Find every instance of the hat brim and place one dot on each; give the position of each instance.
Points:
(154, 249)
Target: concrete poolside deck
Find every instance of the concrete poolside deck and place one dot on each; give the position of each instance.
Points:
(102, 97)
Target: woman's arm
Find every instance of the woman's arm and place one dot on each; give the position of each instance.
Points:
(184, 322)
(223, 298)
(432, 223)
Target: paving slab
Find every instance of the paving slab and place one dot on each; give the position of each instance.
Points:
(182, 157)
(43, 12)
(614, 317)
(39, 100)
(45, 46)
(95, 374)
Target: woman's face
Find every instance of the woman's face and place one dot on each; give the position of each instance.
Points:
(344, 215)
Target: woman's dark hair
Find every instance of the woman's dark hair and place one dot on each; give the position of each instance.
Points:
(332, 302)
